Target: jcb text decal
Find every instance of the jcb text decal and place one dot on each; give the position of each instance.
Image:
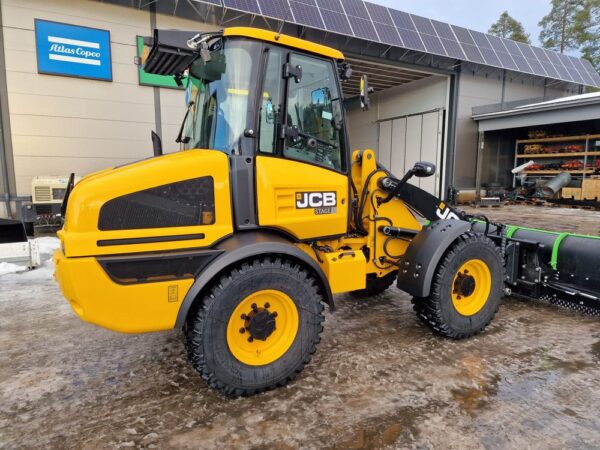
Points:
(322, 202)
(445, 213)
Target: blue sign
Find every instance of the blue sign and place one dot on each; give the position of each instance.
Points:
(72, 50)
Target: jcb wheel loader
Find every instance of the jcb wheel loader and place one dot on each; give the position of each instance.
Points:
(243, 238)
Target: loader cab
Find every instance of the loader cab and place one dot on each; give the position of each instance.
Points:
(276, 109)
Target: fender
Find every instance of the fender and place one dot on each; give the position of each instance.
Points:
(423, 255)
(245, 245)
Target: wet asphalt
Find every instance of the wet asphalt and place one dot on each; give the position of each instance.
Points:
(378, 380)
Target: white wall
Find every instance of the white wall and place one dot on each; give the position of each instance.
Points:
(64, 124)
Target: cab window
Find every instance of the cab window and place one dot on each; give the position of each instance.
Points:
(271, 104)
(314, 109)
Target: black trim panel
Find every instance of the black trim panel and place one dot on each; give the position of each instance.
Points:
(150, 239)
(156, 267)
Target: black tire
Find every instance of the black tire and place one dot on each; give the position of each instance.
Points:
(437, 310)
(206, 327)
(375, 286)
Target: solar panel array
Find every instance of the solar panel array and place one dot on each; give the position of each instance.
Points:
(372, 22)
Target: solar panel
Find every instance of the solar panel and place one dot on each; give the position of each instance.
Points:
(423, 25)
(463, 35)
(472, 53)
(453, 49)
(402, 20)
(277, 9)
(389, 35)
(443, 30)
(210, 2)
(490, 56)
(250, 6)
(306, 14)
(373, 22)
(578, 63)
(379, 14)
(356, 8)
(433, 44)
(331, 5)
(336, 22)
(363, 28)
(411, 39)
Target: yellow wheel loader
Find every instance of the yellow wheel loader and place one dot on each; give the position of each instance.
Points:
(244, 237)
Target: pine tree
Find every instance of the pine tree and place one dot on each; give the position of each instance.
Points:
(587, 25)
(560, 26)
(509, 28)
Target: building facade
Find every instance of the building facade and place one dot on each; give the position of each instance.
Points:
(58, 118)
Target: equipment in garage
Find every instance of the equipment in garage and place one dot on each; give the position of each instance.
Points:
(242, 239)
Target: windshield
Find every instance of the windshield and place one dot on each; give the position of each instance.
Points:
(220, 95)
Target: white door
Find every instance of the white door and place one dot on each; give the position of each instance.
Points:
(406, 140)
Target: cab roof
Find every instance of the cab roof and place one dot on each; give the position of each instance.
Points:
(285, 40)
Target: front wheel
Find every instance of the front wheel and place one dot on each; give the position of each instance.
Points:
(466, 290)
(257, 327)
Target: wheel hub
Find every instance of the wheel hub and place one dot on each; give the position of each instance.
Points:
(464, 284)
(260, 322)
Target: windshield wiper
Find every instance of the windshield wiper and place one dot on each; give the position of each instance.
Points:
(180, 137)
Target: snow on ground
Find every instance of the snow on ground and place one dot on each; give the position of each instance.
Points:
(47, 245)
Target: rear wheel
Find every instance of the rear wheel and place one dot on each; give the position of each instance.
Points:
(257, 327)
(466, 290)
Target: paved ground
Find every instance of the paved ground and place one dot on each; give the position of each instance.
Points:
(379, 379)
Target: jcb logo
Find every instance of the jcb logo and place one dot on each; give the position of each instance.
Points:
(315, 199)
(445, 213)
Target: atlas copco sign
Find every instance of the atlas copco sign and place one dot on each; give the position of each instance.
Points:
(71, 50)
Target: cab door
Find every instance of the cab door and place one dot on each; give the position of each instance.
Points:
(301, 165)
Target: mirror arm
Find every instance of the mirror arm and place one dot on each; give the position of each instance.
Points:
(397, 189)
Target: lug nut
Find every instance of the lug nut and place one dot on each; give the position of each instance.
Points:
(274, 314)
(254, 307)
(250, 339)
(267, 305)
(243, 317)
(242, 330)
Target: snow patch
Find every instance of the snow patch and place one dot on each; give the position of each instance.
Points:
(6, 268)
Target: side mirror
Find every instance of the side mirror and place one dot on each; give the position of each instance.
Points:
(364, 93)
(423, 169)
(156, 144)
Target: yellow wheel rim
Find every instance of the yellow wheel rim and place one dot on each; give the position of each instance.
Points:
(262, 327)
(471, 287)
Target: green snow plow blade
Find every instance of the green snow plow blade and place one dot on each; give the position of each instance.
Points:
(560, 268)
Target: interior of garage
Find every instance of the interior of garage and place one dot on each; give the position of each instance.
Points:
(406, 121)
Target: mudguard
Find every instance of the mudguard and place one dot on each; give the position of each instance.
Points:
(423, 255)
(245, 245)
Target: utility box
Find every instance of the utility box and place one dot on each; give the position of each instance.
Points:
(345, 270)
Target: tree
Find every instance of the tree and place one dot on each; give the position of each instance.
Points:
(509, 28)
(561, 26)
(588, 32)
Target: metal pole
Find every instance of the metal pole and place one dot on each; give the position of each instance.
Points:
(480, 144)
(4, 127)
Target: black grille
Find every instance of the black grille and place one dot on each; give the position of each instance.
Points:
(185, 203)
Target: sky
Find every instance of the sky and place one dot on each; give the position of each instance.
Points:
(476, 14)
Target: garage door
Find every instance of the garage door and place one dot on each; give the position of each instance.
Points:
(405, 140)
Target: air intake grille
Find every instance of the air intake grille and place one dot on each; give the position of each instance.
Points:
(42, 193)
(185, 203)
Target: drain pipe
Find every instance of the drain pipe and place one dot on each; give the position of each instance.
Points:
(3, 161)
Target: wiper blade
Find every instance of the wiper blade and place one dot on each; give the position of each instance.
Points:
(180, 137)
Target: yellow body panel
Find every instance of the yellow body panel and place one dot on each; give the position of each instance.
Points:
(132, 308)
(280, 181)
(285, 40)
(345, 270)
(80, 234)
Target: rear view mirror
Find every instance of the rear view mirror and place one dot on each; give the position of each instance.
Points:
(423, 169)
(319, 96)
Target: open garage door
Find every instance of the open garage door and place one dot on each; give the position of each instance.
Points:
(405, 140)
(407, 119)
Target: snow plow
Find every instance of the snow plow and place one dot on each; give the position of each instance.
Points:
(241, 239)
(15, 246)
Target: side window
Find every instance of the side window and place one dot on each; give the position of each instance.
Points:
(314, 108)
(271, 104)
